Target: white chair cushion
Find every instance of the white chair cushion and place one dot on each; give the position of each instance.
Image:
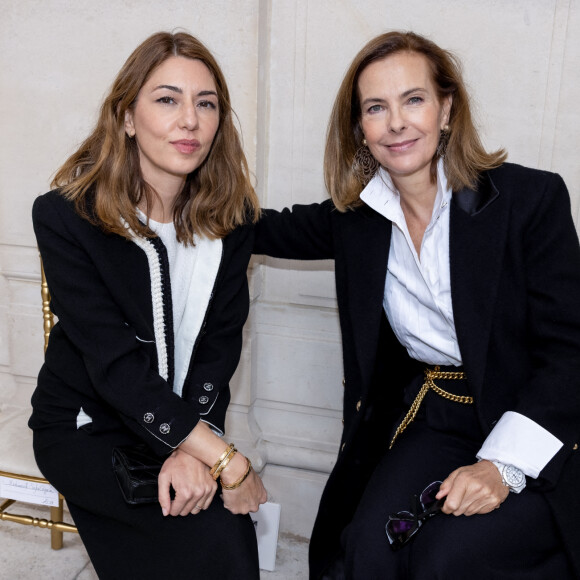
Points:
(16, 454)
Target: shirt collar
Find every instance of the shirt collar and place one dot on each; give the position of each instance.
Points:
(381, 195)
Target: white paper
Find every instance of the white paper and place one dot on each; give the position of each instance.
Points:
(267, 523)
(28, 491)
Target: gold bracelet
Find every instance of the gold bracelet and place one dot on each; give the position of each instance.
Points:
(218, 466)
(224, 464)
(222, 457)
(237, 484)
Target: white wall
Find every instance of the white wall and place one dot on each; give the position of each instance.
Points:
(284, 61)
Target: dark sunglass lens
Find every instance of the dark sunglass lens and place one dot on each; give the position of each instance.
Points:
(399, 524)
(398, 527)
(427, 498)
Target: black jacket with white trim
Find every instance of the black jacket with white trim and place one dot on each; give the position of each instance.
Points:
(112, 349)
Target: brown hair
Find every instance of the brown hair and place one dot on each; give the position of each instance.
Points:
(104, 178)
(465, 157)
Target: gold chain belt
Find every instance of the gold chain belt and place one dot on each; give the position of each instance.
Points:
(430, 376)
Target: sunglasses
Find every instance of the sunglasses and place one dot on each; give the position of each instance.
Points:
(403, 525)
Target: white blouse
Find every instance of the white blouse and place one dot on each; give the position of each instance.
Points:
(417, 297)
(182, 260)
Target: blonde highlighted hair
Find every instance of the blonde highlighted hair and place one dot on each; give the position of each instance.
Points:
(103, 177)
(465, 156)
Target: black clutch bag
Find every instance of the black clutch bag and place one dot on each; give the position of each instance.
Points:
(137, 470)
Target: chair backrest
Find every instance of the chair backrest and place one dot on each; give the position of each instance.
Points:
(16, 436)
(47, 316)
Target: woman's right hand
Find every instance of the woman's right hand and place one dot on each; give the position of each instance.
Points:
(205, 445)
(249, 495)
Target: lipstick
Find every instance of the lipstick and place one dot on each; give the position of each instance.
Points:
(186, 146)
(402, 146)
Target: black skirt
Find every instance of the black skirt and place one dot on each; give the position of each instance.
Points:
(125, 541)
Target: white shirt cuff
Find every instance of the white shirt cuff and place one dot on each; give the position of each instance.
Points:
(215, 429)
(519, 441)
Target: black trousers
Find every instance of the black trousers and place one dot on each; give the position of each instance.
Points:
(517, 541)
(126, 542)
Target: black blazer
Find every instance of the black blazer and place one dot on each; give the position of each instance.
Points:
(515, 281)
(112, 349)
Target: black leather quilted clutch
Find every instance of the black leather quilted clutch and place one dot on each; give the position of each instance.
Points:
(137, 470)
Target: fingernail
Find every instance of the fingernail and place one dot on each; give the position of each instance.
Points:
(164, 511)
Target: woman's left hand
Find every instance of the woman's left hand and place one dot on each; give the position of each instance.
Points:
(473, 489)
(193, 485)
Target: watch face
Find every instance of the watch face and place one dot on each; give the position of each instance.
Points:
(513, 476)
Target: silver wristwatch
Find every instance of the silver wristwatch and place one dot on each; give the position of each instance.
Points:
(511, 476)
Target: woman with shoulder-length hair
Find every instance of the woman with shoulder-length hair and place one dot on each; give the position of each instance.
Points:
(458, 286)
(145, 244)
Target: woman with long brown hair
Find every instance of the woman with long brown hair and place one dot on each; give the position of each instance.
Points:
(145, 243)
(458, 287)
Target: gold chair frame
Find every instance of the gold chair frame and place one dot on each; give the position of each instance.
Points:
(56, 525)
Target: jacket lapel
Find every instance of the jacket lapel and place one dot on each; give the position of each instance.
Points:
(478, 230)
